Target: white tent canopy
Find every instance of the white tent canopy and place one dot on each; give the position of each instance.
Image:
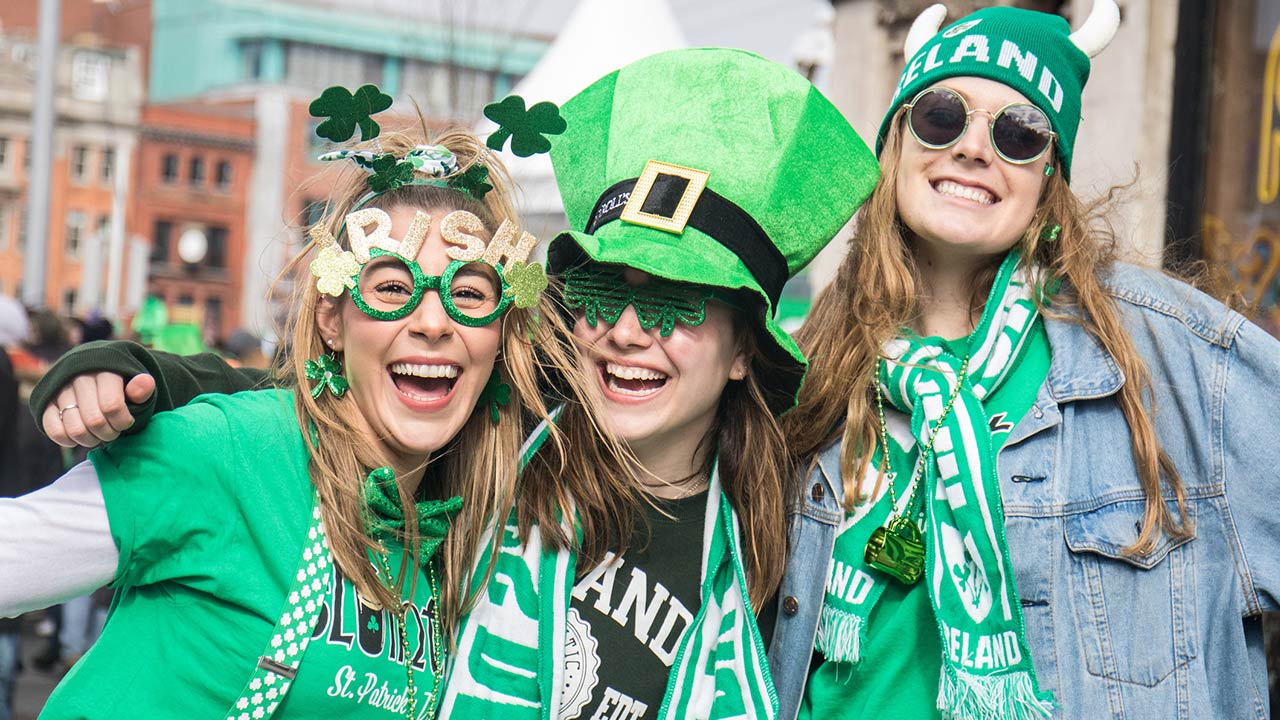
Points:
(599, 37)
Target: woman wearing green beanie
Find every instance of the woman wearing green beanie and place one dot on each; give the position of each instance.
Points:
(1049, 469)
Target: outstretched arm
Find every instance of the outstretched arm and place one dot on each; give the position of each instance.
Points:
(55, 543)
(101, 389)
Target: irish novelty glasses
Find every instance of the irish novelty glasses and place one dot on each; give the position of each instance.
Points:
(388, 284)
(1020, 132)
(483, 278)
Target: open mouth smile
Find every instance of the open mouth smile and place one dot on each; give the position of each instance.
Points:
(631, 381)
(424, 386)
(951, 188)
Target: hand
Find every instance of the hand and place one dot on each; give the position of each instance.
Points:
(91, 410)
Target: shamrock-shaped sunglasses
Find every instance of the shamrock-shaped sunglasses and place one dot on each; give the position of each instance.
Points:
(390, 287)
(603, 293)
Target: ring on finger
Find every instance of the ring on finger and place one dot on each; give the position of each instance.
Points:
(70, 406)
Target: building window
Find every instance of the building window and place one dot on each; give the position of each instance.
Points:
(22, 228)
(75, 229)
(108, 164)
(68, 301)
(161, 234)
(6, 215)
(197, 171)
(4, 151)
(79, 162)
(104, 228)
(169, 169)
(216, 256)
(251, 59)
(185, 300)
(222, 175)
(213, 316)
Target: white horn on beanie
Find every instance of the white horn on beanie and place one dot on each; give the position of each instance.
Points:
(1098, 29)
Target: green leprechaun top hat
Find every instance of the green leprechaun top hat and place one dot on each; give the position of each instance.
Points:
(711, 166)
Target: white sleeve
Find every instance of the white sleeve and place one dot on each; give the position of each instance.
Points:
(55, 543)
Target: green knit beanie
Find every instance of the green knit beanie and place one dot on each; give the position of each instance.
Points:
(1031, 52)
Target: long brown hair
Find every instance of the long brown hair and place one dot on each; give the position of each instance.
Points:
(874, 295)
(754, 475)
(481, 462)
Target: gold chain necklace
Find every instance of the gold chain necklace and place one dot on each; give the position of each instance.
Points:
(897, 548)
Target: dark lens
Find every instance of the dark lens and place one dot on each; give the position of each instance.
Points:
(1021, 132)
(386, 283)
(475, 289)
(938, 117)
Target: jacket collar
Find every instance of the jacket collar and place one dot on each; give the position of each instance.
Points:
(1080, 369)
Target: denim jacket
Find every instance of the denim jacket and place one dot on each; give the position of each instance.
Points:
(1171, 635)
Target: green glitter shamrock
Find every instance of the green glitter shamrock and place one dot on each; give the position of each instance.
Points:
(474, 182)
(495, 393)
(525, 127)
(326, 370)
(389, 173)
(347, 111)
(373, 623)
(526, 283)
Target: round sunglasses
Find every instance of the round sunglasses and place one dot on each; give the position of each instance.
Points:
(1020, 132)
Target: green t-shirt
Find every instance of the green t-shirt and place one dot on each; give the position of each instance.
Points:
(210, 507)
(897, 678)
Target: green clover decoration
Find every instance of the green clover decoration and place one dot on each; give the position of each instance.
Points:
(326, 373)
(526, 283)
(390, 173)
(474, 182)
(526, 128)
(373, 623)
(495, 393)
(347, 111)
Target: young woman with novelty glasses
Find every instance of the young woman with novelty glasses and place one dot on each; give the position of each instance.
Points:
(322, 519)
(1037, 476)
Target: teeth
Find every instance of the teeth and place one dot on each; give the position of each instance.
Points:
(425, 371)
(628, 372)
(978, 195)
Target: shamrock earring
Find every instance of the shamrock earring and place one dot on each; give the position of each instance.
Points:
(1048, 170)
(495, 393)
(1049, 233)
(326, 372)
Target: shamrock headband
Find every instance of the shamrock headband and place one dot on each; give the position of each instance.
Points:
(347, 111)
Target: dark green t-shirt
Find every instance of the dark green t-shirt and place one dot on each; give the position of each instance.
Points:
(637, 607)
(897, 678)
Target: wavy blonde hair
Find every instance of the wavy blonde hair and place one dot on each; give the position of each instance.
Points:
(874, 295)
(481, 462)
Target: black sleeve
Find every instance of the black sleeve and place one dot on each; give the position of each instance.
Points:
(179, 378)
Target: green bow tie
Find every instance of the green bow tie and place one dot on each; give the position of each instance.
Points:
(386, 514)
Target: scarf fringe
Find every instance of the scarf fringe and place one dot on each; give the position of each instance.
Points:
(1010, 696)
(840, 635)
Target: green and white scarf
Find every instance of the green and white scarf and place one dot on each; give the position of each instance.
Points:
(986, 670)
(509, 664)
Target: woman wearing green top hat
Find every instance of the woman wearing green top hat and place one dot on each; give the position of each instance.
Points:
(695, 183)
(304, 551)
(1039, 476)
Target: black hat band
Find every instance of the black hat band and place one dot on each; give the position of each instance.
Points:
(713, 214)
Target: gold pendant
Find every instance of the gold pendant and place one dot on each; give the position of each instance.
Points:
(897, 550)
